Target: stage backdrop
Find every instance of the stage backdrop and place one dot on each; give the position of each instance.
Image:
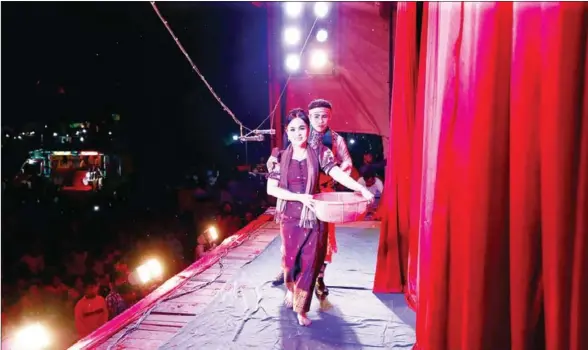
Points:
(492, 133)
(359, 89)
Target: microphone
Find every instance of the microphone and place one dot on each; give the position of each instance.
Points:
(256, 138)
(265, 132)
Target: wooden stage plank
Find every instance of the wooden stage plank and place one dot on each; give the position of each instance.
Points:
(156, 323)
(162, 329)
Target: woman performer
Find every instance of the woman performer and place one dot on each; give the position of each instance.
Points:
(304, 238)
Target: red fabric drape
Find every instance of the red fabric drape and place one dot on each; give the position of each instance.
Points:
(392, 263)
(412, 282)
(501, 191)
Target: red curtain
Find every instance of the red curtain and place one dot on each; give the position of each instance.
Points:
(392, 263)
(498, 185)
(412, 282)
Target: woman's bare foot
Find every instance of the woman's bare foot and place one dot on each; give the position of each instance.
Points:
(303, 320)
(288, 300)
(325, 305)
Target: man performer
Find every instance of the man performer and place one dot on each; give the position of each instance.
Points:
(320, 114)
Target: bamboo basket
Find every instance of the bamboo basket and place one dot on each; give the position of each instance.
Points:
(339, 207)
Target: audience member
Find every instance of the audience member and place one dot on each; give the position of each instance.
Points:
(90, 311)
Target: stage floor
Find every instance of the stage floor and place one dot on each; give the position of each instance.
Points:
(231, 304)
(252, 316)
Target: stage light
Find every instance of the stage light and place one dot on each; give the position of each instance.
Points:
(292, 62)
(352, 141)
(81, 139)
(322, 35)
(55, 134)
(321, 9)
(34, 336)
(319, 59)
(235, 137)
(96, 208)
(213, 233)
(293, 9)
(292, 36)
(149, 271)
(155, 268)
(143, 273)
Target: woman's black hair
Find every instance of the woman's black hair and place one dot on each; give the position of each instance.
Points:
(293, 114)
(297, 113)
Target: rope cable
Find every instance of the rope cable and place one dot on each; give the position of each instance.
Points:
(195, 68)
(225, 108)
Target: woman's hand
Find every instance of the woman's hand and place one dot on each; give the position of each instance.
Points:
(307, 200)
(367, 194)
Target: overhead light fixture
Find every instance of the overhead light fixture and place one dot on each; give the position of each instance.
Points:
(321, 9)
(292, 36)
(322, 35)
(292, 62)
(319, 59)
(293, 9)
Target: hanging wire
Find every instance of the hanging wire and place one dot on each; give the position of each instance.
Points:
(231, 114)
(196, 68)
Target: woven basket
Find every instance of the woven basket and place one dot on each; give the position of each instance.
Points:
(339, 207)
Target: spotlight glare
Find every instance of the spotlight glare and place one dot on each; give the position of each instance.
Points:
(321, 9)
(319, 59)
(213, 233)
(149, 271)
(292, 36)
(292, 62)
(33, 336)
(322, 35)
(144, 273)
(293, 9)
(352, 141)
(235, 137)
(155, 268)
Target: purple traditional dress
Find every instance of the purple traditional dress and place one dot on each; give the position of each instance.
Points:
(304, 237)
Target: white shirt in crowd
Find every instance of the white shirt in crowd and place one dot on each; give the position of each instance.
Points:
(90, 314)
(376, 189)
